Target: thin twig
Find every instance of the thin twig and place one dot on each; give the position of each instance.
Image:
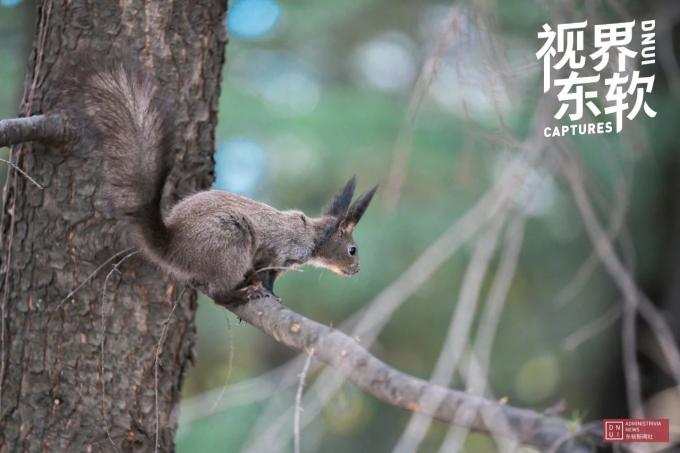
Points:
(298, 402)
(26, 175)
(91, 276)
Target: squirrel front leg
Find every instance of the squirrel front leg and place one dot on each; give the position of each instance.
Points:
(268, 278)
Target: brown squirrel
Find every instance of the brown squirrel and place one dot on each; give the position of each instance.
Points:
(228, 245)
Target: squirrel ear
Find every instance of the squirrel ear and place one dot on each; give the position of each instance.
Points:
(358, 208)
(341, 200)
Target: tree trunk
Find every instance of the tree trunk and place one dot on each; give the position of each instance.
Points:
(82, 375)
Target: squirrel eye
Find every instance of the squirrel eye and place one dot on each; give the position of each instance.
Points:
(352, 250)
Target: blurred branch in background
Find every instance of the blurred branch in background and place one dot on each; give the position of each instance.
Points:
(634, 298)
(616, 224)
(479, 359)
(457, 336)
(589, 331)
(450, 32)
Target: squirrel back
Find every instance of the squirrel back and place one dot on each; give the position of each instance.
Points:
(133, 123)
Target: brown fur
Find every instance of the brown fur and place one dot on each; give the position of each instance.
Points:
(219, 240)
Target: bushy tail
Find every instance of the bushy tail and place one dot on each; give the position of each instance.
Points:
(134, 128)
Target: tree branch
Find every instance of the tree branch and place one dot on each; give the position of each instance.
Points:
(398, 389)
(49, 128)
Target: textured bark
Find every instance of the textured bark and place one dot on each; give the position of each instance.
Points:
(56, 393)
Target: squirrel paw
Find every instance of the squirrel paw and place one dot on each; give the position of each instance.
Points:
(251, 292)
(259, 292)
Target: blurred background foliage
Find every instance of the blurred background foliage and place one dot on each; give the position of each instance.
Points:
(315, 91)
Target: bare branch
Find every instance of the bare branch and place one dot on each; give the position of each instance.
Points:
(50, 128)
(587, 332)
(394, 387)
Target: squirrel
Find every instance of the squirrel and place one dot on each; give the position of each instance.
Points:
(231, 247)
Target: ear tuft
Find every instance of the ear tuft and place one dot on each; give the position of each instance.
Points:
(358, 208)
(341, 200)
